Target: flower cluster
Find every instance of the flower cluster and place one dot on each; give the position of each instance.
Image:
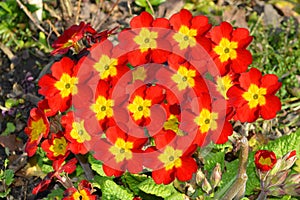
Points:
(275, 174)
(166, 88)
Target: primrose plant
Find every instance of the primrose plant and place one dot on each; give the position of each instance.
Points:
(143, 106)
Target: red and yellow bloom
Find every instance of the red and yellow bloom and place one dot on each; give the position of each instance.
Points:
(59, 86)
(37, 127)
(255, 96)
(83, 192)
(57, 147)
(175, 164)
(265, 160)
(229, 48)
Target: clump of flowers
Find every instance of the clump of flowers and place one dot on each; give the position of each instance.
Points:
(146, 103)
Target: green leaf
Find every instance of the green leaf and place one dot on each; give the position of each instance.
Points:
(133, 181)
(9, 176)
(56, 194)
(4, 194)
(9, 103)
(212, 159)
(150, 187)
(228, 177)
(176, 196)
(284, 144)
(141, 3)
(10, 128)
(96, 165)
(156, 2)
(111, 190)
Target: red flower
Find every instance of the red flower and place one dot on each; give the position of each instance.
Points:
(37, 127)
(120, 152)
(84, 191)
(59, 168)
(142, 100)
(44, 106)
(265, 160)
(255, 96)
(148, 41)
(229, 48)
(57, 147)
(59, 86)
(209, 117)
(174, 164)
(77, 133)
(71, 37)
(190, 31)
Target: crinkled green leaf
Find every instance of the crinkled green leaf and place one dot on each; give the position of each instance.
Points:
(96, 165)
(55, 194)
(133, 181)
(284, 144)
(212, 159)
(176, 196)
(150, 187)
(111, 190)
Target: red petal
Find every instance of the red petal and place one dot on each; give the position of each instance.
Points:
(243, 60)
(142, 20)
(252, 77)
(188, 168)
(162, 176)
(270, 109)
(184, 17)
(111, 172)
(201, 24)
(270, 82)
(241, 35)
(223, 31)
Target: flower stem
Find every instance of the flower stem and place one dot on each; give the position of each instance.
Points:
(85, 166)
(262, 195)
(238, 188)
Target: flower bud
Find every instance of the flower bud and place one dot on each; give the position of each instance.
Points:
(206, 187)
(288, 160)
(199, 177)
(216, 176)
(278, 178)
(265, 160)
(293, 189)
(293, 179)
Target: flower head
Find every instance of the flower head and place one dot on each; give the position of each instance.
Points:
(265, 160)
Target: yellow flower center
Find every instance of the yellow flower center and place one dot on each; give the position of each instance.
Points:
(103, 107)
(226, 50)
(106, 67)
(59, 146)
(173, 124)
(255, 96)
(66, 85)
(185, 37)
(37, 128)
(146, 40)
(79, 133)
(184, 78)
(81, 195)
(171, 158)
(206, 120)
(121, 150)
(140, 108)
(223, 85)
(265, 161)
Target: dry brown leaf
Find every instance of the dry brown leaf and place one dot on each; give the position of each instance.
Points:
(11, 142)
